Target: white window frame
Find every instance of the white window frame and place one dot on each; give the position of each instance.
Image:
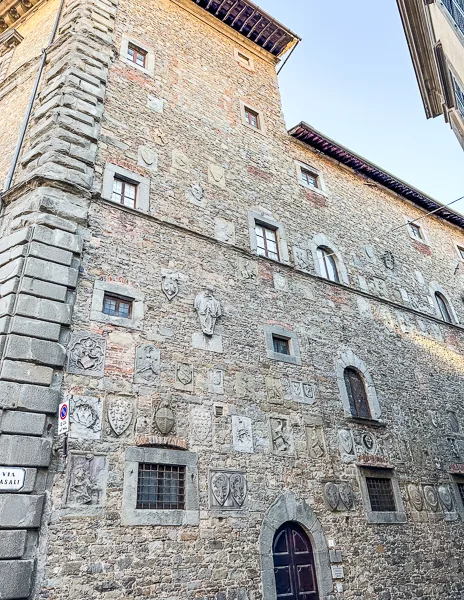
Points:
(409, 222)
(458, 245)
(317, 173)
(320, 240)
(102, 288)
(149, 67)
(112, 172)
(435, 287)
(264, 219)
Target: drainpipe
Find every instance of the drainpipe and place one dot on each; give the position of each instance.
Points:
(27, 117)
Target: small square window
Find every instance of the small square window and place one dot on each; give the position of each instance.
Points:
(137, 55)
(252, 118)
(266, 242)
(309, 178)
(461, 252)
(117, 307)
(381, 495)
(281, 345)
(243, 58)
(161, 487)
(124, 192)
(416, 231)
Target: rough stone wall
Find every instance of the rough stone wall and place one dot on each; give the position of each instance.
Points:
(383, 317)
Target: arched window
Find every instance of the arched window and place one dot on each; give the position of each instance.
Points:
(327, 264)
(357, 395)
(442, 304)
(294, 565)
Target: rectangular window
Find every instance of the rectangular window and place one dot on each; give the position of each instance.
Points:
(381, 495)
(252, 118)
(124, 192)
(416, 231)
(117, 307)
(137, 55)
(460, 485)
(281, 345)
(309, 178)
(161, 487)
(456, 10)
(244, 59)
(459, 92)
(461, 252)
(266, 242)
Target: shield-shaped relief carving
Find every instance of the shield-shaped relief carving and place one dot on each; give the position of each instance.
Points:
(170, 286)
(238, 488)
(164, 418)
(120, 413)
(220, 487)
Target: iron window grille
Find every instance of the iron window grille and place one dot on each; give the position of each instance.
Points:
(461, 490)
(124, 192)
(137, 55)
(443, 306)
(357, 395)
(381, 495)
(328, 266)
(281, 345)
(459, 94)
(309, 178)
(456, 10)
(266, 242)
(161, 487)
(252, 118)
(117, 307)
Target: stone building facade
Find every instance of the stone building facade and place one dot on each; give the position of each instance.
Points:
(257, 331)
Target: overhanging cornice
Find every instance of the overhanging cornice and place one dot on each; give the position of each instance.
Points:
(310, 136)
(421, 48)
(246, 18)
(13, 10)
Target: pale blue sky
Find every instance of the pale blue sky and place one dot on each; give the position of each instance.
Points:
(352, 78)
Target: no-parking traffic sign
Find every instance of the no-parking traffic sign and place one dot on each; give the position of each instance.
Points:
(63, 418)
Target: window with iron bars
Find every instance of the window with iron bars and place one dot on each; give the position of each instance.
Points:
(456, 10)
(461, 490)
(459, 94)
(161, 487)
(381, 495)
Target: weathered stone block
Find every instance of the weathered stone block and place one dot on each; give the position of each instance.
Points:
(12, 269)
(6, 305)
(47, 310)
(51, 253)
(18, 511)
(40, 351)
(43, 289)
(16, 238)
(11, 254)
(54, 273)
(22, 422)
(55, 237)
(26, 372)
(12, 544)
(34, 398)
(15, 578)
(24, 451)
(35, 328)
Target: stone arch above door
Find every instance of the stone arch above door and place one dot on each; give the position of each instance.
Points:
(289, 508)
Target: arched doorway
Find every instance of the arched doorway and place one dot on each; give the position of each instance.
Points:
(294, 565)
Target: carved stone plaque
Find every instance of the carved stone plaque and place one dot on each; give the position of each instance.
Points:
(86, 480)
(200, 424)
(228, 489)
(170, 285)
(275, 393)
(147, 158)
(247, 269)
(389, 260)
(164, 418)
(86, 354)
(346, 495)
(431, 497)
(446, 497)
(244, 385)
(184, 377)
(85, 417)
(339, 496)
(331, 495)
(196, 194)
(180, 161)
(120, 414)
(208, 310)
(242, 434)
(224, 231)
(345, 442)
(316, 441)
(415, 496)
(303, 392)
(217, 175)
(216, 381)
(301, 258)
(281, 435)
(147, 364)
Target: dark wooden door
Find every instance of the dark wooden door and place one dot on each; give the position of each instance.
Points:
(294, 568)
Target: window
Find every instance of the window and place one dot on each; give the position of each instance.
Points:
(281, 345)
(266, 242)
(460, 252)
(443, 307)
(243, 58)
(416, 231)
(460, 486)
(458, 91)
(327, 264)
(252, 118)
(309, 178)
(124, 192)
(381, 495)
(456, 10)
(117, 307)
(356, 390)
(137, 55)
(161, 487)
